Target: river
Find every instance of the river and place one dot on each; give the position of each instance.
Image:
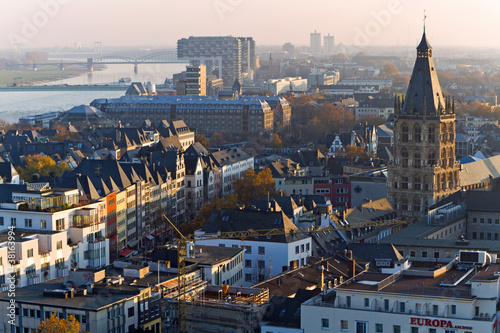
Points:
(14, 105)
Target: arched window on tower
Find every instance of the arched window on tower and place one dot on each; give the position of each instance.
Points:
(404, 157)
(418, 160)
(450, 156)
(418, 134)
(404, 133)
(432, 134)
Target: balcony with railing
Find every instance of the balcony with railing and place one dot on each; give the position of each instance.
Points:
(85, 218)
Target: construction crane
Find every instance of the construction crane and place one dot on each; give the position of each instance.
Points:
(183, 242)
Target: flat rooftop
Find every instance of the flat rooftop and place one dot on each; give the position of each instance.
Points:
(210, 255)
(22, 235)
(34, 294)
(420, 281)
(102, 296)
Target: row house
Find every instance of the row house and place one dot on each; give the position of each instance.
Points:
(232, 162)
(336, 188)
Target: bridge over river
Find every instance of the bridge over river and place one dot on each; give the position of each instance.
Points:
(163, 57)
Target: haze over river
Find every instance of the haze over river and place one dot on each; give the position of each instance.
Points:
(14, 105)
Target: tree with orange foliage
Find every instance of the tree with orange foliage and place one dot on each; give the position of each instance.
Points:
(203, 140)
(55, 324)
(276, 142)
(64, 134)
(216, 139)
(254, 186)
(42, 165)
(228, 202)
(354, 151)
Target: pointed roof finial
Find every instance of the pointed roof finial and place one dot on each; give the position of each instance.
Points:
(425, 16)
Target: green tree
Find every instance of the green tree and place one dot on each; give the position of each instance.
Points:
(55, 324)
(254, 186)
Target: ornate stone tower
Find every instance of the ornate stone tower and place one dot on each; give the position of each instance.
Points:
(424, 169)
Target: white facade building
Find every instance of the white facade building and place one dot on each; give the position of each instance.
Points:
(460, 297)
(288, 84)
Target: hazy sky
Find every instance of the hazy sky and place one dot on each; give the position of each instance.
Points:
(37, 23)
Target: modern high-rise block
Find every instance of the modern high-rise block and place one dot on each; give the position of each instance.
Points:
(289, 48)
(196, 80)
(315, 42)
(329, 44)
(232, 58)
(424, 169)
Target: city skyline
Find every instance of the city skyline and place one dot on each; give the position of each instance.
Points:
(159, 23)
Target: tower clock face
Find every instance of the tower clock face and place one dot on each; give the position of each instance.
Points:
(358, 189)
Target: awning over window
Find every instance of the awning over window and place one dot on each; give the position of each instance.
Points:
(150, 237)
(126, 252)
(132, 243)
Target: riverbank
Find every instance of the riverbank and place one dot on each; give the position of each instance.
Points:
(65, 87)
(44, 74)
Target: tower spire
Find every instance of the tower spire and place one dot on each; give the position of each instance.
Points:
(425, 16)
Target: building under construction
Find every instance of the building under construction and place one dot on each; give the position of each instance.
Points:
(226, 309)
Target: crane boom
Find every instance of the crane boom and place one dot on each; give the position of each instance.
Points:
(244, 234)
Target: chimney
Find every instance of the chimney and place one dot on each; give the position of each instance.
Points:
(321, 284)
(349, 254)
(353, 268)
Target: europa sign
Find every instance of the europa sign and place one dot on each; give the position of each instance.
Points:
(435, 323)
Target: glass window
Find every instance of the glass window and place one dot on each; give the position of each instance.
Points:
(325, 323)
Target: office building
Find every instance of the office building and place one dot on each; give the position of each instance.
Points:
(207, 114)
(329, 45)
(232, 58)
(289, 48)
(315, 42)
(102, 301)
(196, 80)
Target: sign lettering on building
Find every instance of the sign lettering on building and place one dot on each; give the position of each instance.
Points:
(435, 323)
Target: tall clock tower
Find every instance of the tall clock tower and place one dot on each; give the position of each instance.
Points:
(424, 169)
